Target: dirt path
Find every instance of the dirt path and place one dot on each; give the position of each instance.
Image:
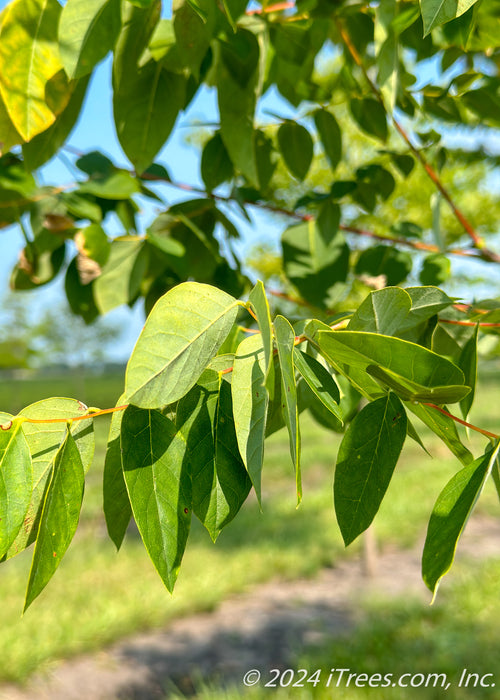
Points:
(262, 629)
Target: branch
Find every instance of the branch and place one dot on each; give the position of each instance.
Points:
(391, 240)
(416, 245)
(478, 242)
(463, 422)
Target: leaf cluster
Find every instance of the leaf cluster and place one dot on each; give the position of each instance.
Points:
(200, 397)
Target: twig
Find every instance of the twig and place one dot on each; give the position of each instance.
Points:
(478, 242)
(277, 7)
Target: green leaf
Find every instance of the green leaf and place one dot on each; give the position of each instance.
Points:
(260, 305)
(383, 311)
(168, 245)
(95, 164)
(88, 29)
(409, 390)
(140, 91)
(117, 184)
(220, 481)
(444, 427)
(250, 401)
(315, 261)
(237, 86)
(193, 34)
(435, 270)
(366, 460)
(449, 517)
(182, 333)
(146, 104)
(320, 381)
(436, 12)
(138, 25)
(59, 518)
(410, 361)
(265, 162)
(425, 303)
(330, 135)
(468, 364)
(44, 440)
(10, 135)
(121, 277)
(216, 165)
(42, 147)
(370, 116)
(93, 242)
(30, 65)
(496, 476)
(80, 296)
(285, 341)
(159, 486)
(16, 480)
(377, 260)
(296, 146)
(116, 504)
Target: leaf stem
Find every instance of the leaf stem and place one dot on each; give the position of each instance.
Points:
(469, 323)
(90, 414)
(463, 422)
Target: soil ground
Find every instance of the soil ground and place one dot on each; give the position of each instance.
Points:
(262, 629)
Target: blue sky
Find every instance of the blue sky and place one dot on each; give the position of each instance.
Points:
(95, 130)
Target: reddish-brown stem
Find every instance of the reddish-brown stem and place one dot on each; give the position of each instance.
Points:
(432, 174)
(416, 245)
(469, 323)
(300, 216)
(463, 422)
(277, 7)
(252, 313)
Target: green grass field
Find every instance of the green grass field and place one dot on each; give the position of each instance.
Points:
(98, 596)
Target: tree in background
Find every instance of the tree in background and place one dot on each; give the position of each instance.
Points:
(373, 154)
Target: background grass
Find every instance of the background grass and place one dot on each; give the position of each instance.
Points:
(99, 596)
(402, 636)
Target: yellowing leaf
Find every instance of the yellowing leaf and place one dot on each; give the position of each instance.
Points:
(29, 64)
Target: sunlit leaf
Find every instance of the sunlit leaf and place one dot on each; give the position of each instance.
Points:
(16, 477)
(59, 518)
(182, 333)
(120, 278)
(436, 12)
(44, 440)
(87, 31)
(449, 517)
(29, 61)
